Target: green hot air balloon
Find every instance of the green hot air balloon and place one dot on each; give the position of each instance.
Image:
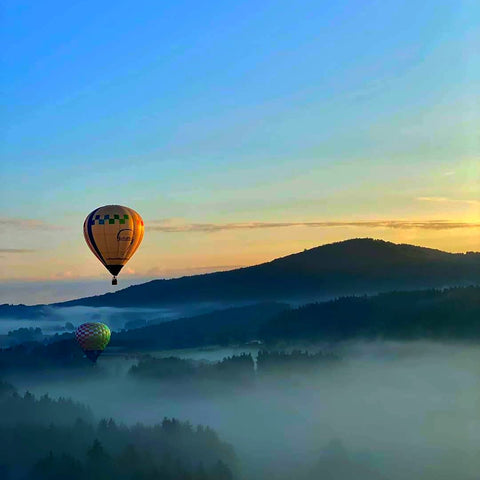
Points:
(93, 338)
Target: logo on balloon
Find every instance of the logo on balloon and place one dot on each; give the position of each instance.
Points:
(125, 235)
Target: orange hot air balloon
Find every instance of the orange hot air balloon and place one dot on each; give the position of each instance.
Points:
(113, 234)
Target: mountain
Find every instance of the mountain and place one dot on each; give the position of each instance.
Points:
(344, 268)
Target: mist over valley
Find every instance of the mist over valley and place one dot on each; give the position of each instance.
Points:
(399, 409)
(381, 386)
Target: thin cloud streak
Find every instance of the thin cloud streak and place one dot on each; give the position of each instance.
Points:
(174, 272)
(447, 200)
(394, 224)
(27, 224)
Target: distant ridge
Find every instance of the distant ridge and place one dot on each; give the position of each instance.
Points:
(361, 265)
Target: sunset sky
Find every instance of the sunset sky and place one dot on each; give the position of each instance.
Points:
(240, 131)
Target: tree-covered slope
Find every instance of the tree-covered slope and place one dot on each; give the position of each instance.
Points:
(452, 314)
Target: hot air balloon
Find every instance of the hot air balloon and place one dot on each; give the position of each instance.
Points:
(93, 338)
(113, 234)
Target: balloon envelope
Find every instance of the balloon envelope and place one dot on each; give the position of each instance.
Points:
(113, 233)
(93, 338)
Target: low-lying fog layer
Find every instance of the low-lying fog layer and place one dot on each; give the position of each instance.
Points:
(116, 318)
(397, 410)
(61, 289)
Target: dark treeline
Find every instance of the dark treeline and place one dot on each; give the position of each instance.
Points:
(31, 334)
(27, 409)
(130, 464)
(34, 356)
(296, 361)
(46, 439)
(238, 370)
(23, 311)
(452, 314)
(222, 327)
(22, 335)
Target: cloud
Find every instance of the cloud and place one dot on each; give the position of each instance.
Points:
(447, 200)
(169, 227)
(189, 270)
(62, 275)
(432, 199)
(27, 224)
(16, 250)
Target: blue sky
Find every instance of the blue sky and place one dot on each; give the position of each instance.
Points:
(235, 112)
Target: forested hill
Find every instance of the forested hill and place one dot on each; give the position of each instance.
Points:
(222, 327)
(343, 268)
(452, 314)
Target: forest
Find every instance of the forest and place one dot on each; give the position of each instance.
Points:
(238, 370)
(56, 439)
(448, 314)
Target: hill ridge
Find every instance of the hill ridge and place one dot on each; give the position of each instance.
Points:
(358, 265)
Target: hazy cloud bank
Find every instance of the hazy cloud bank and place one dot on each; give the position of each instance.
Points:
(167, 226)
(448, 200)
(27, 224)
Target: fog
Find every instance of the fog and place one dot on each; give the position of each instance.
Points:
(61, 289)
(394, 410)
(53, 319)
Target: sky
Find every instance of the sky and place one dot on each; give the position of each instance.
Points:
(240, 131)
